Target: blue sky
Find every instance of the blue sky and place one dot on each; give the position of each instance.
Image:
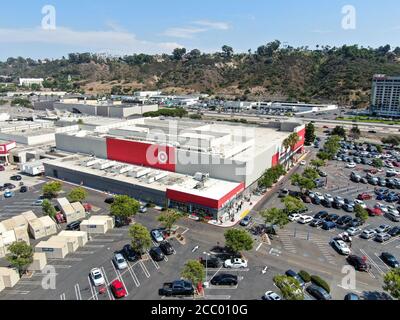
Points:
(155, 26)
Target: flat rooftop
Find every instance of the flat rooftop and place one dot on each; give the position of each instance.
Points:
(27, 128)
(212, 188)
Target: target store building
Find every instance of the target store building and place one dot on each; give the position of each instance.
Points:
(198, 167)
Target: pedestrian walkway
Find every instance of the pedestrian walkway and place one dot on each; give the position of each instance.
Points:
(285, 237)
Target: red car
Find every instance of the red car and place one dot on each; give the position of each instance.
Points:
(118, 289)
(364, 196)
(2, 168)
(375, 212)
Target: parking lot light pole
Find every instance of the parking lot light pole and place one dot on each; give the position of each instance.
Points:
(207, 255)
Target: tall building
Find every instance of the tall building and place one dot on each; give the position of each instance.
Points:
(385, 96)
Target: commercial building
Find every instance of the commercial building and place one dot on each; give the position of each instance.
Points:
(197, 166)
(30, 81)
(293, 107)
(385, 96)
(112, 109)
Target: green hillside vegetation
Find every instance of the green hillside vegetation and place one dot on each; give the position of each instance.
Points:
(338, 74)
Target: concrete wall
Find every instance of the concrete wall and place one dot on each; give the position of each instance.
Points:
(87, 145)
(106, 184)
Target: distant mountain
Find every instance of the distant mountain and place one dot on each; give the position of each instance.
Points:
(272, 72)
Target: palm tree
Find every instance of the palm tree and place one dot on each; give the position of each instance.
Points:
(290, 143)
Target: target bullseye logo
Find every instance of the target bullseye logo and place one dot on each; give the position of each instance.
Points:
(162, 157)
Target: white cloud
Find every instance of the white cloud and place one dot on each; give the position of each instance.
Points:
(190, 31)
(213, 24)
(186, 33)
(114, 40)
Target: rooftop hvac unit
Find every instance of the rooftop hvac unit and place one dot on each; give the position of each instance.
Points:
(139, 172)
(92, 162)
(199, 176)
(104, 165)
(159, 175)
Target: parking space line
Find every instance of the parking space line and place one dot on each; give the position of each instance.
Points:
(372, 262)
(119, 276)
(133, 274)
(146, 272)
(384, 264)
(107, 284)
(78, 292)
(155, 263)
(23, 292)
(62, 296)
(92, 290)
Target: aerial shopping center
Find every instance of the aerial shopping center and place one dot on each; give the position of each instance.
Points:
(199, 167)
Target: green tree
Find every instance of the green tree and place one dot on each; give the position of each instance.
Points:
(290, 287)
(48, 209)
(318, 163)
(302, 182)
(20, 256)
(322, 155)
(227, 51)
(51, 189)
(379, 148)
(178, 53)
(332, 146)
(361, 213)
(292, 204)
(392, 139)
(238, 240)
(310, 173)
(339, 131)
(392, 283)
(140, 237)
(194, 271)
(275, 216)
(77, 194)
(377, 163)
(355, 132)
(310, 134)
(169, 218)
(124, 207)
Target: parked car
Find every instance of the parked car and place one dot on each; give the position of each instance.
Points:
(167, 248)
(38, 202)
(156, 254)
(326, 203)
(270, 295)
(294, 216)
(348, 208)
(23, 189)
(235, 263)
(316, 222)
(318, 292)
(120, 262)
(364, 196)
(130, 254)
(212, 262)
(118, 289)
(382, 237)
(368, 234)
(305, 219)
(109, 200)
(332, 217)
(157, 235)
(97, 277)
(351, 296)
(283, 193)
(395, 231)
(390, 260)
(143, 209)
(16, 178)
(74, 226)
(394, 216)
(328, 225)
(246, 221)
(9, 186)
(224, 279)
(358, 263)
(8, 194)
(305, 198)
(341, 247)
(353, 231)
(291, 273)
(351, 165)
(321, 215)
(177, 288)
(383, 228)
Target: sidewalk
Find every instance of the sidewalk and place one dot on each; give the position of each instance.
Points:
(255, 200)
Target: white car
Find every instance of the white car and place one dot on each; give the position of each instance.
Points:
(294, 216)
(97, 277)
(38, 202)
(319, 196)
(368, 234)
(392, 171)
(303, 163)
(382, 207)
(157, 236)
(341, 246)
(270, 295)
(339, 200)
(120, 262)
(235, 263)
(360, 203)
(353, 231)
(383, 228)
(328, 197)
(305, 219)
(311, 195)
(351, 165)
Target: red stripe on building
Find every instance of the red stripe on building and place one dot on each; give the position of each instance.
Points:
(142, 154)
(275, 160)
(184, 197)
(302, 135)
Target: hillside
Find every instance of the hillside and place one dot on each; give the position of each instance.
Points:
(341, 75)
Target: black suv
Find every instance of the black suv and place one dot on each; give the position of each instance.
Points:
(130, 254)
(358, 263)
(74, 226)
(166, 248)
(224, 280)
(156, 254)
(212, 262)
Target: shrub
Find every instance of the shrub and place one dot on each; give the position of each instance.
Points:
(320, 282)
(305, 276)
